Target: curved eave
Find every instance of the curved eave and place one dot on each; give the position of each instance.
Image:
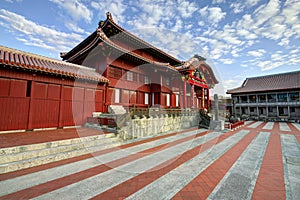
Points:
(212, 75)
(141, 59)
(77, 49)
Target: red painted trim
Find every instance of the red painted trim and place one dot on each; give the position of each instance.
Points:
(192, 82)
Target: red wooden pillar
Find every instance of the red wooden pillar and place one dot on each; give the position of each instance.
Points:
(202, 99)
(207, 95)
(192, 97)
(59, 123)
(61, 101)
(160, 93)
(104, 97)
(30, 112)
(184, 93)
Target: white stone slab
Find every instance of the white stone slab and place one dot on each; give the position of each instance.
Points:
(171, 183)
(248, 122)
(284, 127)
(255, 124)
(297, 126)
(239, 181)
(291, 165)
(269, 126)
(95, 185)
(33, 179)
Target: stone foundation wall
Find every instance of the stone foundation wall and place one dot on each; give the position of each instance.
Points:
(143, 127)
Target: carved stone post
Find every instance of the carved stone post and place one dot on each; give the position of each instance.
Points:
(216, 124)
(216, 107)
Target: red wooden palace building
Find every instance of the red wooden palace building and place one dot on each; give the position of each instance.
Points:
(111, 66)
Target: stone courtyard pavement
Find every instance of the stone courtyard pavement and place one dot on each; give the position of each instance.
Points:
(260, 160)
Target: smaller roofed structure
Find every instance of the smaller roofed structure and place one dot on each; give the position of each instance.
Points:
(284, 81)
(273, 98)
(198, 72)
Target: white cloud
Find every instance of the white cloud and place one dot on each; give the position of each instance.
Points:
(74, 27)
(181, 46)
(278, 57)
(246, 22)
(228, 35)
(251, 2)
(213, 14)
(226, 61)
(240, 5)
(11, 1)
(188, 26)
(268, 65)
(291, 12)
(76, 9)
(232, 83)
(201, 23)
(246, 34)
(294, 51)
(186, 8)
(266, 12)
(178, 25)
(258, 53)
(34, 34)
(218, 1)
(284, 42)
(116, 7)
(237, 7)
(236, 52)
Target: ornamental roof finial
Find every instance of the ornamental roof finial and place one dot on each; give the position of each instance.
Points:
(101, 34)
(109, 16)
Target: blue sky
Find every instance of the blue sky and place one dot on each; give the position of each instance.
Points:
(240, 38)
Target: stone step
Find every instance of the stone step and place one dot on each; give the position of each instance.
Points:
(69, 146)
(45, 145)
(55, 151)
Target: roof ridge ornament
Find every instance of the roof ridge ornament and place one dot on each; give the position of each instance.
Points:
(109, 16)
(101, 34)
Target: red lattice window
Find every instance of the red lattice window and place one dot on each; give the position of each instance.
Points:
(115, 72)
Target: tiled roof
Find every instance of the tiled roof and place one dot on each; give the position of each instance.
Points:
(283, 81)
(20, 59)
(100, 36)
(104, 38)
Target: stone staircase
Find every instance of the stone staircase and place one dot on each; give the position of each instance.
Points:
(26, 156)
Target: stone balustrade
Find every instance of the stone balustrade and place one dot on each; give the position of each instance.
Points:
(158, 124)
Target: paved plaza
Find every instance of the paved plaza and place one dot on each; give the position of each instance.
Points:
(260, 160)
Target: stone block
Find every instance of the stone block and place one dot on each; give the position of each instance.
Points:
(116, 109)
(216, 125)
(96, 114)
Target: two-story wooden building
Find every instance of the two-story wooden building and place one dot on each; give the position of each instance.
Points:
(111, 66)
(272, 97)
(139, 73)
